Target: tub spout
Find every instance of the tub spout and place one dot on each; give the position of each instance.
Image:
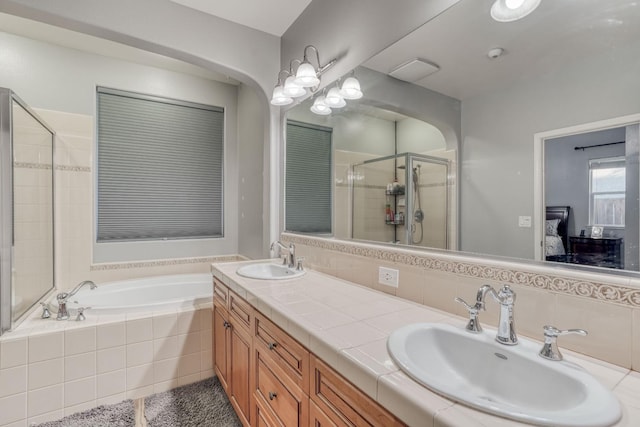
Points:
(63, 297)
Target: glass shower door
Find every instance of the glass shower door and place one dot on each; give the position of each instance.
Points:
(26, 171)
(428, 199)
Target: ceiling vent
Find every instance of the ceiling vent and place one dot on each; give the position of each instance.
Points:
(414, 70)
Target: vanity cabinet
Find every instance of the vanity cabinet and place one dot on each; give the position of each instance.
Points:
(274, 381)
(339, 403)
(233, 318)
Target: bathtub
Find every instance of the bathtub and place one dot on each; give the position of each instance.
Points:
(177, 292)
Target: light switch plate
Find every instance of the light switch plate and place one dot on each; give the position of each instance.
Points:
(388, 276)
(524, 221)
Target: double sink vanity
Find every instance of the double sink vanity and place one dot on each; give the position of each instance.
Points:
(297, 347)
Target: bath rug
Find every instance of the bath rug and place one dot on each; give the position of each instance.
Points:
(201, 404)
(119, 415)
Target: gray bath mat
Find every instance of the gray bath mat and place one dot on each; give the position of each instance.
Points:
(119, 415)
(201, 404)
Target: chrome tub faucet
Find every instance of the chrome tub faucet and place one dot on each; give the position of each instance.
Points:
(506, 325)
(63, 297)
(290, 254)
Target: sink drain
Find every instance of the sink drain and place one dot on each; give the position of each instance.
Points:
(501, 356)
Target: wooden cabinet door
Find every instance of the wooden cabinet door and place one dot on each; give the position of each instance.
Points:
(220, 338)
(240, 359)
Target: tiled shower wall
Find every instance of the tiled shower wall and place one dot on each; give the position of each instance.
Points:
(32, 270)
(607, 306)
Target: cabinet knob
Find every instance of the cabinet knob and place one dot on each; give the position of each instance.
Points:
(273, 345)
(226, 324)
(272, 395)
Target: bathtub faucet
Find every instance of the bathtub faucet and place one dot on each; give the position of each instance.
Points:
(290, 259)
(63, 297)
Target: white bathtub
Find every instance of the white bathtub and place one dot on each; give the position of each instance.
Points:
(146, 294)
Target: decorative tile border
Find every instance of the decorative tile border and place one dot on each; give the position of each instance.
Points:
(28, 165)
(430, 261)
(69, 168)
(165, 262)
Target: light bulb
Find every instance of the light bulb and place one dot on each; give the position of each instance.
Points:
(279, 98)
(351, 89)
(334, 99)
(292, 89)
(320, 107)
(514, 4)
(306, 75)
(512, 10)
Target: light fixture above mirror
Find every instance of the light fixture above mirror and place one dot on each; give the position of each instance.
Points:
(306, 79)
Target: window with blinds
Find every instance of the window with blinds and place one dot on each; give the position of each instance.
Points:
(160, 165)
(308, 189)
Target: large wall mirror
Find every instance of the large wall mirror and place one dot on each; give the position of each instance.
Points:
(535, 120)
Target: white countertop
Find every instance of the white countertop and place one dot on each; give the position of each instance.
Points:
(347, 325)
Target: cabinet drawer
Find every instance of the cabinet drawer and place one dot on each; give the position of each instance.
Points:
(263, 415)
(343, 403)
(292, 357)
(317, 418)
(220, 293)
(287, 402)
(241, 311)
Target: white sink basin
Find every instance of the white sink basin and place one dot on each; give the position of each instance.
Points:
(510, 381)
(268, 271)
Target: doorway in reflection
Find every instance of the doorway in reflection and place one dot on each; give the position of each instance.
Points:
(594, 174)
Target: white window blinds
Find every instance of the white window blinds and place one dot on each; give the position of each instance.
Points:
(160, 165)
(308, 196)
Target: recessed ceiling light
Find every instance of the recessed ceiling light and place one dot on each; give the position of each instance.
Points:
(512, 10)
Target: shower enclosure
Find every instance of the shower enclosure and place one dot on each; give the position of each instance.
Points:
(401, 199)
(26, 209)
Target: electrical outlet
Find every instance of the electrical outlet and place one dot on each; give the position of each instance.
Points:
(388, 276)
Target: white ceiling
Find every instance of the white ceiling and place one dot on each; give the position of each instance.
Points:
(270, 16)
(558, 32)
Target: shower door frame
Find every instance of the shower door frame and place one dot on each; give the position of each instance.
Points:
(408, 198)
(7, 207)
(410, 157)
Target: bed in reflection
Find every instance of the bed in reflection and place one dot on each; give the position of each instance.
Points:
(560, 247)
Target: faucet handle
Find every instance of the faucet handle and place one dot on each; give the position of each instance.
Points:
(299, 263)
(550, 348)
(80, 317)
(474, 324)
(46, 313)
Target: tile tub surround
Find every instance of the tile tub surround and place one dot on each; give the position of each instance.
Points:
(347, 325)
(50, 369)
(602, 304)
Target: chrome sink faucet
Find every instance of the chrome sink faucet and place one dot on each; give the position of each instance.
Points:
(290, 258)
(506, 326)
(63, 297)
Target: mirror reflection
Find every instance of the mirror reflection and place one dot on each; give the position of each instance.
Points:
(563, 77)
